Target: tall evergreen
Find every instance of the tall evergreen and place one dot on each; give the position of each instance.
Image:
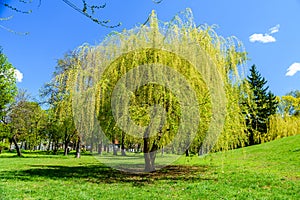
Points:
(261, 105)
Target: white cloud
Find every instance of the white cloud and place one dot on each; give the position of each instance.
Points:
(18, 75)
(293, 69)
(263, 38)
(266, 37)
(274, 29)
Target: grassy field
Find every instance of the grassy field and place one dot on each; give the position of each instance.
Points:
(267, 171)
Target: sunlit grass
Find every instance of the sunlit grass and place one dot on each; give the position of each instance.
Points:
(267, 171)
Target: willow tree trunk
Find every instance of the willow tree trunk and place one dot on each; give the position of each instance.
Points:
(149, 165)
(149, 153)
(14, 140)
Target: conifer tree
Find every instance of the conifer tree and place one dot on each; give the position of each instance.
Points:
(261, 106)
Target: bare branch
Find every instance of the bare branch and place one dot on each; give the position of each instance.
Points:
(16, 9)
(157, 1)
(85, 13)
(12, 31)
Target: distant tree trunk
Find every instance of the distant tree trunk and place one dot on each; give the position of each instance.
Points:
(49, 144)
(66, 147)
(123, 152)
(187, 153)
(138, 148)
(92, 142)
(100, 148)
(78, 147)
(10, 144)
(75, 145)
(114, 148)
(66, 142)
(55, 147)
(251, 137)
(14, 140)
(25, 145)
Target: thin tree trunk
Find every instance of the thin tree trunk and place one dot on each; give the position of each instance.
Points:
(40, 146)
(78, 147)
(115, 153)
(66, 142)
(92, 142)
(55, 147)
(10, 144)
(107, 148)
(123, 152)
(48, 148)
(187, 153)
(65, 151)
(16, 145)
(100, 148)
(66, 148)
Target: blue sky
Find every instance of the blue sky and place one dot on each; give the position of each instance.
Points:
(269, 30)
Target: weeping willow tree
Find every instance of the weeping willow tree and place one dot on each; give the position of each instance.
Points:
(168, 85)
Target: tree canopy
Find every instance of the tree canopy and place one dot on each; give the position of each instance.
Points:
(160, 85)
(8, 88)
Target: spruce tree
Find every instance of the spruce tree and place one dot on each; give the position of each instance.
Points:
(261, 105)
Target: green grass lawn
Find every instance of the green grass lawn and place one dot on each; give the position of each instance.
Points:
(267, 171)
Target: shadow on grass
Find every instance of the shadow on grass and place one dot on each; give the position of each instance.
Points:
(37, 153)
(104, 174)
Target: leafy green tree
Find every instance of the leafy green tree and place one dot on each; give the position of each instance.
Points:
(8, 90)
(290, 103)
(59, 101)
(261, 105)
(26, 120)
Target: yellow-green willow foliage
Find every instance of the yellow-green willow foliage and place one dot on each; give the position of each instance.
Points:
(118, 62)
(288, 122)
(282, 126)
